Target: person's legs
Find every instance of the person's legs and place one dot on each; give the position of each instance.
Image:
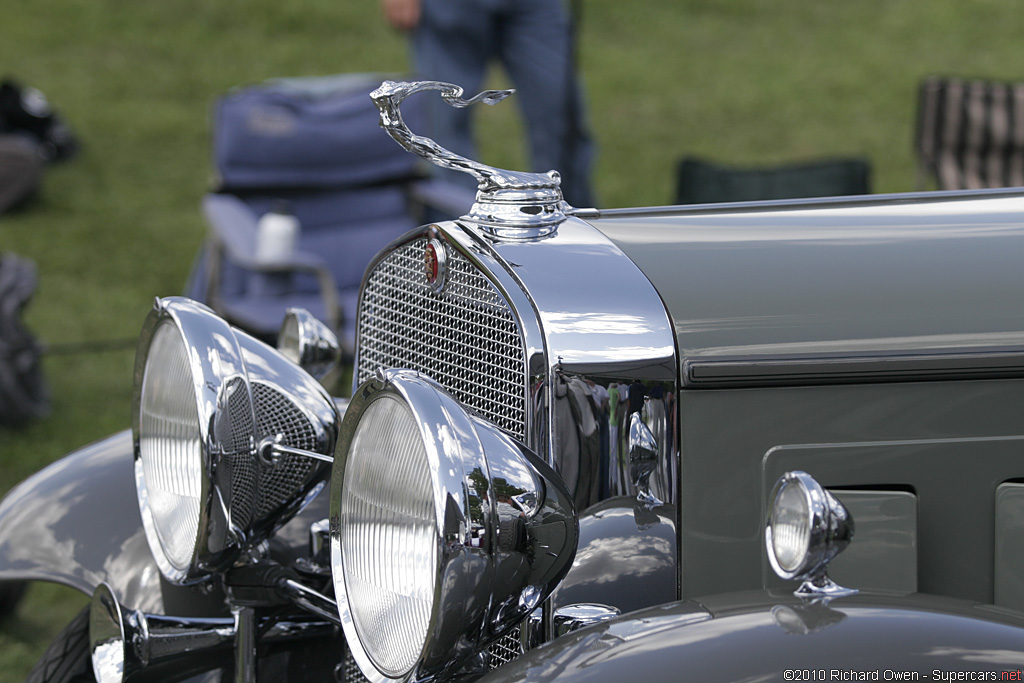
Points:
(453, 44)
(535, 46)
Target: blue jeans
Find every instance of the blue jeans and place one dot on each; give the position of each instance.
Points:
(454, 43)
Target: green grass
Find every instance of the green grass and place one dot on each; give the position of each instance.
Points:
(740, 81)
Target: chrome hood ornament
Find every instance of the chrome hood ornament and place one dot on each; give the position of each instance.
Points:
(509, 204)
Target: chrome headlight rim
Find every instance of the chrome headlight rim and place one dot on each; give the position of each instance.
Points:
(226, 415)
(828, 527)
(428, 406)
(215, 360)
(504, 527)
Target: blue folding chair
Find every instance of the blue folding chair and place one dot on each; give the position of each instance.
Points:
(312, 145)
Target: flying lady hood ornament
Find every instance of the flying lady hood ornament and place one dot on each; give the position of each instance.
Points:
(509, 204)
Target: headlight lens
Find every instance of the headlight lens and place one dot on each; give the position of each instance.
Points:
(170, 446)
(390, 545)
(791, 526)
(445, 533)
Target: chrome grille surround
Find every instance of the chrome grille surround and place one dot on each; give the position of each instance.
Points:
(466, 337)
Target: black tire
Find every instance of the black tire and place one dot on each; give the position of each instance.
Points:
(67, 659)
(11, 593)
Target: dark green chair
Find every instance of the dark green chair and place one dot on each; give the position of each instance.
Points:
(703, 182)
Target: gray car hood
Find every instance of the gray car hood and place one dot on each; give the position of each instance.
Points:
(900, 273)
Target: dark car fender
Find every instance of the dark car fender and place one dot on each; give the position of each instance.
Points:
(771, 637)
(77, 523)
(625, 558)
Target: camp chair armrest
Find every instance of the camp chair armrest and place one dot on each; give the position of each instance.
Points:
(233, 228)
(447, 198)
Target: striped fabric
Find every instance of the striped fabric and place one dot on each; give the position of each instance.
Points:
(970, 134)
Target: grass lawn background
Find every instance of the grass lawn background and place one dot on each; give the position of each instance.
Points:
(739, 81)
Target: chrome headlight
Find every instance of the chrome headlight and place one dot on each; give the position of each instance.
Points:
(807, 527)
(209, 402)
(445, 532)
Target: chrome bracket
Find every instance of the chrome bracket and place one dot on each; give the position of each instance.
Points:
(509, 204)
(643, 460)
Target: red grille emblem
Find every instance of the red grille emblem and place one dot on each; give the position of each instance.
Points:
(430, 263)
(435, 262)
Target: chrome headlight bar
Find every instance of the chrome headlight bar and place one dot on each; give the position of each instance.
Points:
(210, 404)
(445, 532)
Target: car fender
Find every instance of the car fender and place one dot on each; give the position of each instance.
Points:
(771, 637)
(625, 557)
(77, 523)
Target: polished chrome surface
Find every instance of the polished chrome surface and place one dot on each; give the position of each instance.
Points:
(320, 544)
(310, 600)
(436, 264)
(224, 424)
(504, 526)
(467, 338)
(610, 355)
(106, 637)
(309, 342)
(596, 348)
(272, 452)
(245, 643)
(574, 617)
(587, 320)
(247, 394)
(643, 460)
(509, 204)
(123, 642)
(566, 619)
(830, 529)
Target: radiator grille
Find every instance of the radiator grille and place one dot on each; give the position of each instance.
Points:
(465, 338)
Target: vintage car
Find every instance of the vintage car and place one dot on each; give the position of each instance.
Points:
(738, 442)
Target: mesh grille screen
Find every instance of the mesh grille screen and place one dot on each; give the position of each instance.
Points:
(239, 457)
(277, 415)
(505, 649)
(465, 338)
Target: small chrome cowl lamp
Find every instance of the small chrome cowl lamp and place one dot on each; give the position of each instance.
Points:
(807, 527)
(309, 343)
